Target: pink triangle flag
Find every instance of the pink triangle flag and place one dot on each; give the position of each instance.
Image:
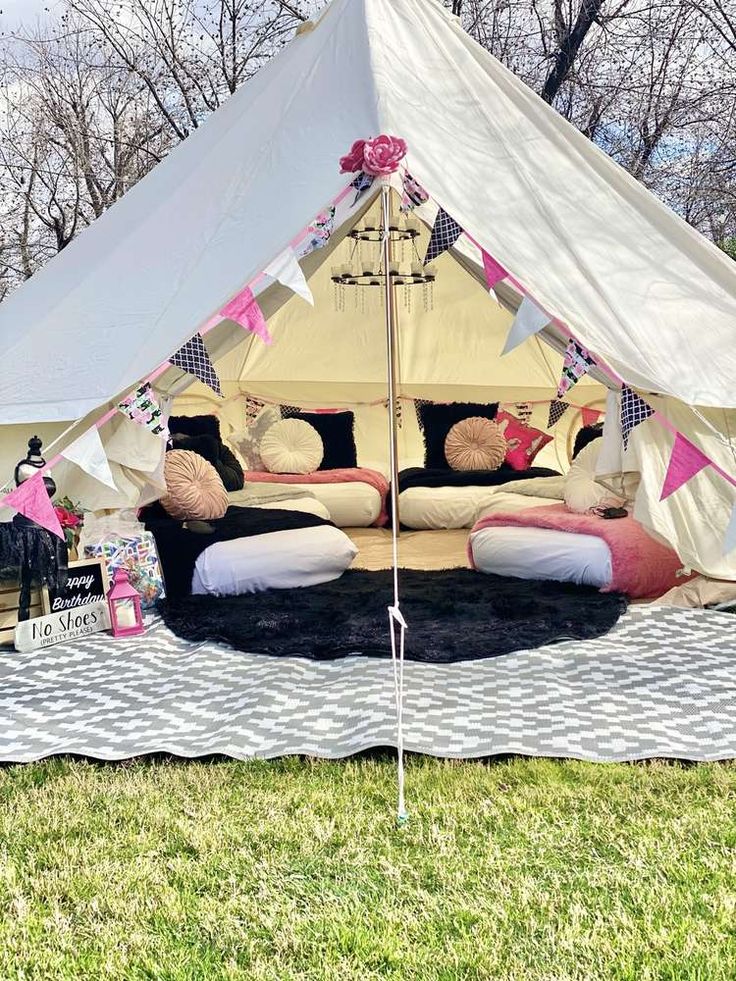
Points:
(590, 416)
(244, 310)
(494, 270)
(685, 462)
(31, 499)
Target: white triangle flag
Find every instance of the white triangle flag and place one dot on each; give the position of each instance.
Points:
(729, 542)
(89, 455)
(289, 273)
(529, 320)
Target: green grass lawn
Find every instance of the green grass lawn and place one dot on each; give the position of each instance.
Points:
(525, 869)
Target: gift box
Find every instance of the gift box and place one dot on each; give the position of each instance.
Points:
(138, 556)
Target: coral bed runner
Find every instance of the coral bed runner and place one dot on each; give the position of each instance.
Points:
(661, 683)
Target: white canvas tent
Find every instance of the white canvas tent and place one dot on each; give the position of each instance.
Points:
(641, 289)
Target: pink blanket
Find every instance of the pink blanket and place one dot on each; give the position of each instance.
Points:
(359, 475)
(641, 566)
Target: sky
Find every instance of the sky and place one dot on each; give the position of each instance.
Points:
(15, 12)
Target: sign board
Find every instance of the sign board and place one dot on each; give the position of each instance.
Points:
(86, 583)
(89, 618)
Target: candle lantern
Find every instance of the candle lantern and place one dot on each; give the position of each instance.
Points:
(124, 601)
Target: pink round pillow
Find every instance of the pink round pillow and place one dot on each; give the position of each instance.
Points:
(194, 490)
(475, 444)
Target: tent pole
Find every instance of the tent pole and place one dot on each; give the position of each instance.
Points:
(397, 624)
(391, 353)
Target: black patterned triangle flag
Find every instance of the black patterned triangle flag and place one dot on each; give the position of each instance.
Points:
(557, 410)
(633, 411)
(445, 232)
(361, 184)
(193, 358)
(576, 364)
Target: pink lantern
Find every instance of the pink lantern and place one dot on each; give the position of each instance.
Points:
(126, 619)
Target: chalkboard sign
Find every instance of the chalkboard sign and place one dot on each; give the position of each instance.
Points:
(86, 583)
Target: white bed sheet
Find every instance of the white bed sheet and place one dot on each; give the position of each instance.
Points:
(350, 504)
(437, 508)
(278, 560)
(542, 553)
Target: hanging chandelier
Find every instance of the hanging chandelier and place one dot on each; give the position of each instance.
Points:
(364, 267)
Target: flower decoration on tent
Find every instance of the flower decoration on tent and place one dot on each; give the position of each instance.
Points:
(378, 157)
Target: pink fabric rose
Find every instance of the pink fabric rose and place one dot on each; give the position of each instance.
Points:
(353, 160)
(381, 156)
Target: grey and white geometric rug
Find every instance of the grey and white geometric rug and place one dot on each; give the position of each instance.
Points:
(661, 684)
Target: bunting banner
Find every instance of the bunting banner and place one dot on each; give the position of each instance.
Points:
(729, 542)
(591, 416)
(634, 410)
(320, 230)
(528, 321)
(577, 363)
(141, 407)
(557, 410)
(287, 271)
(244, 310)
(686, 460)
(445, 232)
(31, 499)
(253, 407)
(361, 184)
(89, 455)
(413, 194)
(494, 271)
(193, 358)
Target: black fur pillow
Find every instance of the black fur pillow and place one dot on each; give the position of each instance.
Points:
(337, 430)
(195, 425)
(437, 419)
(586, 435)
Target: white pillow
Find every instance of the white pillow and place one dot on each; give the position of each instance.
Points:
(247, 442)
(292, 446)
(582, 492)
(278, 560)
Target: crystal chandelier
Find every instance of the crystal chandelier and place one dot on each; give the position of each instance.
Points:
(364, 267)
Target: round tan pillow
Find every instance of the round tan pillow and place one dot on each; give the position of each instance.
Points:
(291, 446)
(475, 444)
(194, 490)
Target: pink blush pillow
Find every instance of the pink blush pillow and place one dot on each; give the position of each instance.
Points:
(524, 442)
(194, 490)
(475, 444)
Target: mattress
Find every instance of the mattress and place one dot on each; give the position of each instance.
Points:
(541, 553)
(277, 560)
(351, 504)
(443, 507)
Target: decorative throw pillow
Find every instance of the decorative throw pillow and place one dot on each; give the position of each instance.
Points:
(248, 441)
(524, 442)
(201, 434)
(292, 446)
(337, 431)
(582, 491)
(437, 419)
(475, 444)
(194, 490)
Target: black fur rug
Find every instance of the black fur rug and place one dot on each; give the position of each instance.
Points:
(455, 615)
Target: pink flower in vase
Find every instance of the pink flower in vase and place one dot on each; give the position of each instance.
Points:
(353, 159)
(382, 155)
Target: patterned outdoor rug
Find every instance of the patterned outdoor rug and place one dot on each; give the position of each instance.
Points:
(661, 683)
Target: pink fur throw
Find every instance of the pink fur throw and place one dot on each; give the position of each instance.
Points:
(359, 475)
(641, 566)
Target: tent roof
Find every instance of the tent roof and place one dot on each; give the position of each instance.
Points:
(635, 283)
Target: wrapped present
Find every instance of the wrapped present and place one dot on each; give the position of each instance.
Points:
(138, 555)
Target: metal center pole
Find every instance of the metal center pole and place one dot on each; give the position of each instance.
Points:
(391, 354)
